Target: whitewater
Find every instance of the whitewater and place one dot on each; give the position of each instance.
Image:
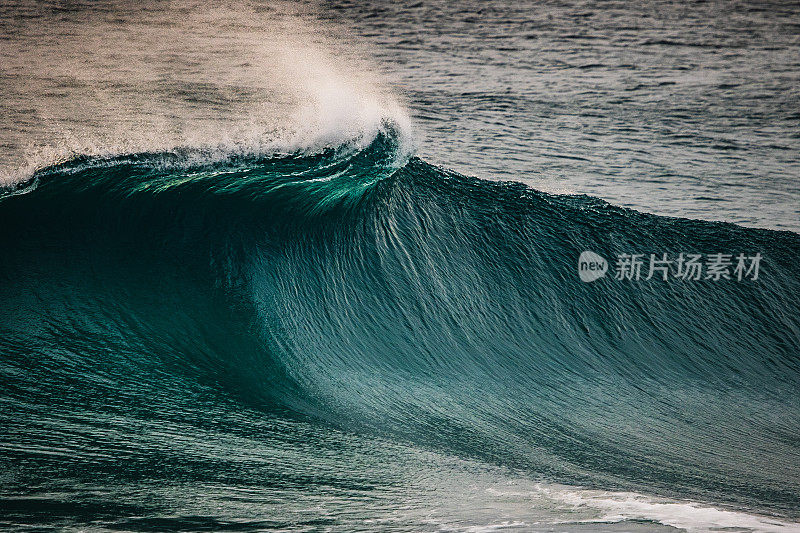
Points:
(242, 289)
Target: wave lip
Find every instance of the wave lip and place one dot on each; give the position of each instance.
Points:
(324, 105)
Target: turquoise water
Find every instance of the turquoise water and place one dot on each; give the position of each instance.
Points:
(348, 339)
(306, 267)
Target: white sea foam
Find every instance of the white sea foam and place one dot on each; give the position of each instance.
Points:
(217, 83)
(689, 516)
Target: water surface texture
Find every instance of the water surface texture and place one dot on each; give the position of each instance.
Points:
(300, 267)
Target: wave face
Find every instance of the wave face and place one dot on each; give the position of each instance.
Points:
(306, 329)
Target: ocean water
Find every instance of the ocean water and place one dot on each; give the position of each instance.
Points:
(314, 267)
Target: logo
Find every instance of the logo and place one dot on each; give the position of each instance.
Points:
(591, 266)
(683, 266)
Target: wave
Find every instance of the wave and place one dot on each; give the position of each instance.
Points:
(303, 95)
(364, 289)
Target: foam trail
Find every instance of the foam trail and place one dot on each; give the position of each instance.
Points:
(691, 517)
